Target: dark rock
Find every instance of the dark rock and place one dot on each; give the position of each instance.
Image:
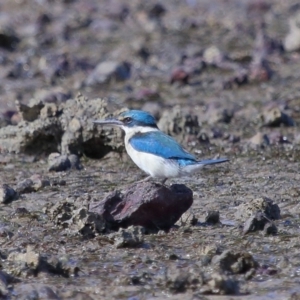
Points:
(58, 163)
(108, 71)
(25, 186)
(7, 194)
(263, 204)
(235, 262)
(179, 75)
(255, 222)
(273, 116)
(156, 11)
(131, 237)
(270, 229)
(223, 285)
(8, 38)
(212, 217)
(147, 204)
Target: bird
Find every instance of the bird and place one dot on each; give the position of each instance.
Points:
(153, 151)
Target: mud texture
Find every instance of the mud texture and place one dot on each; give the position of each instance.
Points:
(222, 77)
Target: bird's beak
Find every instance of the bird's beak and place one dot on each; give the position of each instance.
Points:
(109, 122)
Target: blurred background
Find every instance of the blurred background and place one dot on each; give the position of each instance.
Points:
(150, 55)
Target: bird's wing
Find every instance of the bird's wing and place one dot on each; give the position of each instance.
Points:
(158, 143)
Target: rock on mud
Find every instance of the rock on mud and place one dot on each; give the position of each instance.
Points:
(179, 280)
(7, 194)
(264, 205)
(66, 128)
(60, 163)
(235, 262)
(131, 237)
(151, 205)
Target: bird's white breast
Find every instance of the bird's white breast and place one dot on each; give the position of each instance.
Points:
(151, 164)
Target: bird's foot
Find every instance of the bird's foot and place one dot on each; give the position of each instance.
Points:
(145, 179)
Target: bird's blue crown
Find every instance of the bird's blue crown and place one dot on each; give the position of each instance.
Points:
(133, 118)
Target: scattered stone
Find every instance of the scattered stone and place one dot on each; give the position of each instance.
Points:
(179, 280)
(270, 229)
(131, 237)
(75, 162)
(58, 163)
(259, 141)
(255, 222)
(235, 262)
(73, 214)
(8, 38)
(263, 204)
(223, 285)
(39, 182)
(5, 280)
(25, 186)
(176, 122)
(109, 71)
(151, 205)
(274, 117)
(187, 219)
(179, 75)
(7, 194)
(212, 217)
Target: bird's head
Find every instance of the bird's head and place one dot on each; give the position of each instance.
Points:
(131, 119)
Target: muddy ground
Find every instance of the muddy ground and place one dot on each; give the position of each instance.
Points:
(221, 76)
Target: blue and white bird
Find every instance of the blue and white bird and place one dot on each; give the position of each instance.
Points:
(153, 151)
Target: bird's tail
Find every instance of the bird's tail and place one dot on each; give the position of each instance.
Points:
(212, 161)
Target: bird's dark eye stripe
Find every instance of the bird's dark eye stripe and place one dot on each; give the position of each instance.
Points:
(127, 119)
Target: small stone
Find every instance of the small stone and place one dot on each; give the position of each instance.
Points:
(58, 162)
(259, 140)
(75, 162)
(212, 217)
(39, 182)
(7, 194)
(131, 237)
(223, 285)
(188, 218)
(273, 116)
(107, 71)
(255, 222)
(270, 229)
(4, 280)
(235, 262)
(25, 186)
(262, 204)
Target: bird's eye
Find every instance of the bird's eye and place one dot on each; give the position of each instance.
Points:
(127, 120)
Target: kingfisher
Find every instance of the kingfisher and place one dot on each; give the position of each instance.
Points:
(156, 153)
